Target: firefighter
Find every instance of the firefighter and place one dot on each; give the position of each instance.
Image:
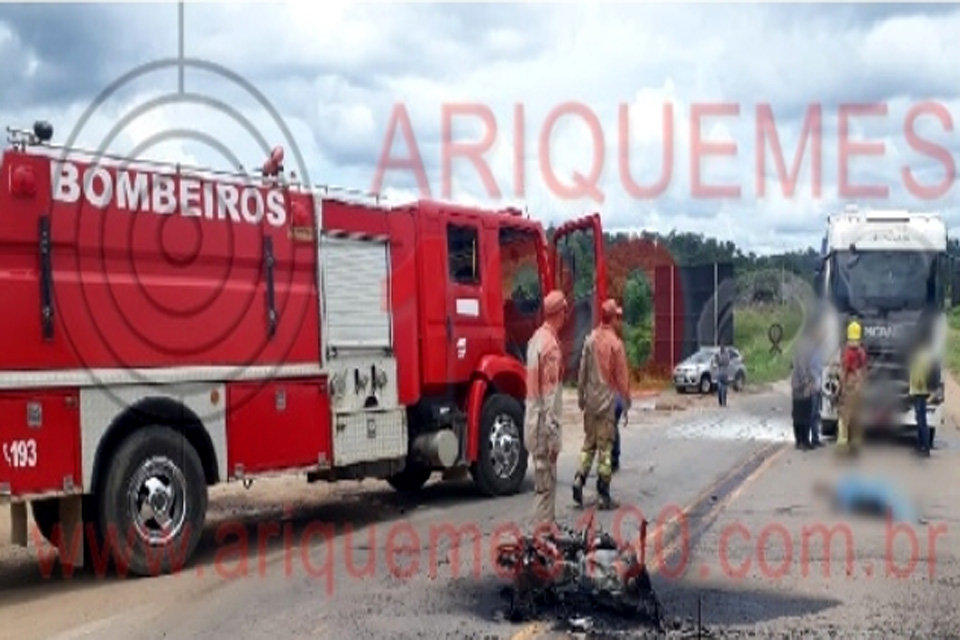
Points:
(544, 406)
(603, 374)
(853, 369)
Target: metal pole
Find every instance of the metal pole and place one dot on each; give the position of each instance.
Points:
(673, 344)
(699, 616)
(716, 305)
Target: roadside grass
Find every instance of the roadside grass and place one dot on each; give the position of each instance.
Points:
(751, 336)
(953, 342)
(751, 327)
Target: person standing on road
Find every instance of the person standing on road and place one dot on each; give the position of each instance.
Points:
(722, 362)
(544, 406)
(816, 369)
(852, 374)
(920, 368)
(801, 386)
(617, 414)
(615, 461)
(603, 373)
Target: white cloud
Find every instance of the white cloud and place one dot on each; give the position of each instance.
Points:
(335, 71)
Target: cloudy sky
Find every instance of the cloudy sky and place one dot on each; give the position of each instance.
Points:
(325, 80)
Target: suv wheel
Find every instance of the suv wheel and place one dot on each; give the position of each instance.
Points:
(705, 384)
(739, 381)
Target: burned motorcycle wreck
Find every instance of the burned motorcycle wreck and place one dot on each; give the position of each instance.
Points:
(577, 572)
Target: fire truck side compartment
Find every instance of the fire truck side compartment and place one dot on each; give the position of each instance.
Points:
(277, 425)
(38, 437)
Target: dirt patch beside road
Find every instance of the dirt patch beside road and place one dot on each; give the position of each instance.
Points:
(951, 402)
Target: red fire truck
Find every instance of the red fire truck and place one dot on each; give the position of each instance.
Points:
(168, 328)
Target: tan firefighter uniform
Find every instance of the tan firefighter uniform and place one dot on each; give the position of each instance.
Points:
(853, 368)
(602, 376)
(544, 406)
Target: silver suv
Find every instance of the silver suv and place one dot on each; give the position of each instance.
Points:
(699, 372)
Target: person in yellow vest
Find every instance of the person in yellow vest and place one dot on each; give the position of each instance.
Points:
(920, 366)
(853, 370)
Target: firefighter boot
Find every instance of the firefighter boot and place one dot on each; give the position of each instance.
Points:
(578, 482)
(843, 437)
(604, 501)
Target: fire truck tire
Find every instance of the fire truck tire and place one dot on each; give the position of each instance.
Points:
(155, 496)
(411, 479)
(502, 463)
(46, 515)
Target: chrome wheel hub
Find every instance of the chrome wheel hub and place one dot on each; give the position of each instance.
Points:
(505, 445)
(156, 497)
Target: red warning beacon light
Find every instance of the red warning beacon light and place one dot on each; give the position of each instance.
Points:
(273, 166)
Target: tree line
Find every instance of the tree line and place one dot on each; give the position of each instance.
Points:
(630, 258)
(760, 279)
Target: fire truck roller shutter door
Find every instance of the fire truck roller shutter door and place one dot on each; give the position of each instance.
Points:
(357, 321)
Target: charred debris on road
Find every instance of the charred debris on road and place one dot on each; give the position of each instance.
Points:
(584, 581)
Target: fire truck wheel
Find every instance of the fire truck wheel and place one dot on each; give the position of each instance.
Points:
(502, 464)
(46, 515)
(411, 479)
(154, 497)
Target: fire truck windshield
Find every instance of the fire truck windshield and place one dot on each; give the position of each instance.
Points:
(866, 282)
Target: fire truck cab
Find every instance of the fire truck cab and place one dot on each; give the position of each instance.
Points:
(170, 328)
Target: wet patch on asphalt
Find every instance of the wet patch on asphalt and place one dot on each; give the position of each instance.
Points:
(741, 426)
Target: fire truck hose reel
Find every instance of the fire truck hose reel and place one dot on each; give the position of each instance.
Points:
(439, 447)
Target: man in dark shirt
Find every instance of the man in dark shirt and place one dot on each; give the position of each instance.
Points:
(615, 456)
(802, 386)
(618, 412)
(722, 361)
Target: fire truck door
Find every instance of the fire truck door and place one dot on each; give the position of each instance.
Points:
(465, 305)
(579, 271)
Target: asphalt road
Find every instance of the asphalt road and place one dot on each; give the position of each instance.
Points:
(426, 594)
(360, 561)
